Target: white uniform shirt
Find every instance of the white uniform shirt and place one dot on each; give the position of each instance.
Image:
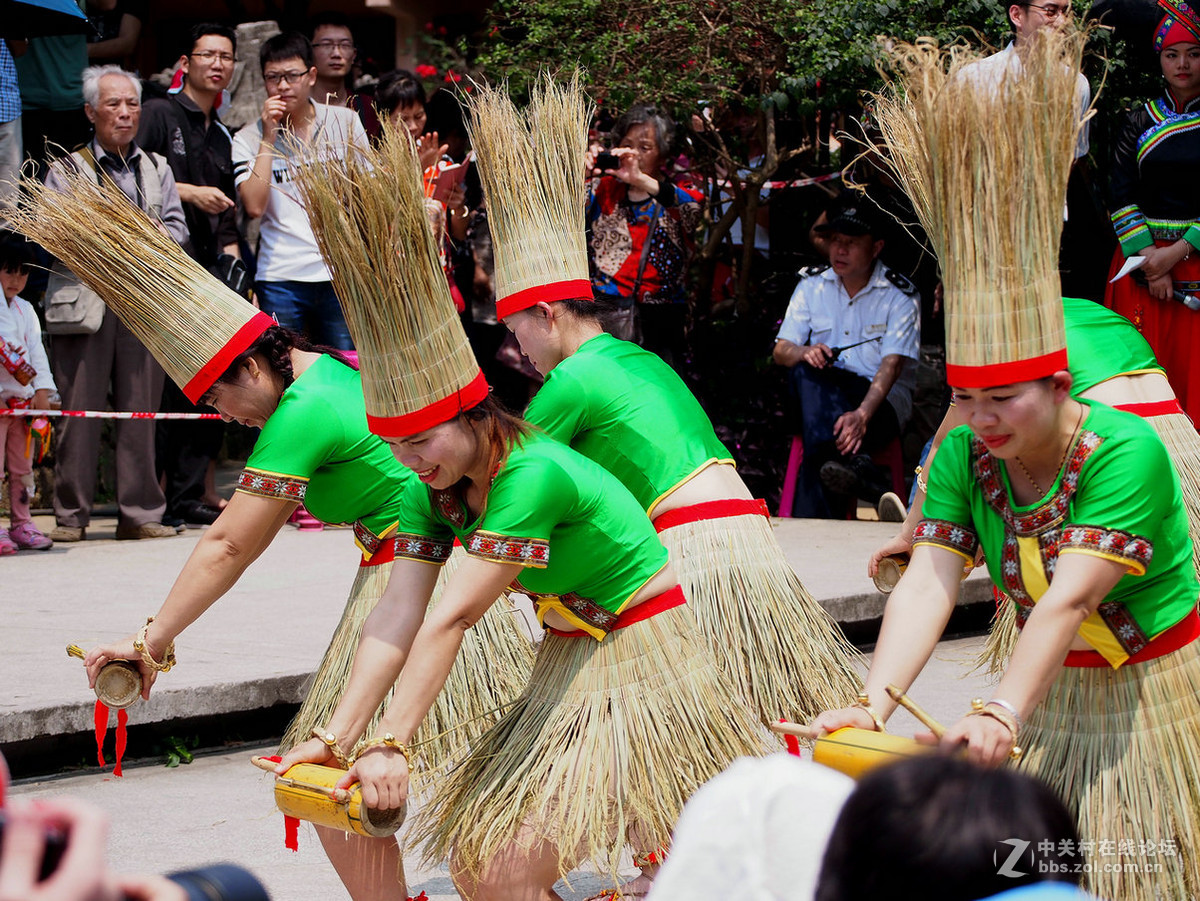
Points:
(19, 327)
(821, 312)
(287, 250)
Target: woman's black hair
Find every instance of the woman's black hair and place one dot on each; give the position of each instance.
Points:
(935, 826)
(601, 308)
(396, 89)
(499, 427)
(275, 346)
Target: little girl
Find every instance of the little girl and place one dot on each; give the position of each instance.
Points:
(25, 381)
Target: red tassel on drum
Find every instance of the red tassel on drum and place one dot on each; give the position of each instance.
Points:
(420, 897)
(792, 743)
(122, 737)
(291, 833)
(100, 718)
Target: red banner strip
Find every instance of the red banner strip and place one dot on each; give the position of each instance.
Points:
(1153, 408)
(710, 510)
(215, 368)
(577, 289)
(994, 375)
(434, 414)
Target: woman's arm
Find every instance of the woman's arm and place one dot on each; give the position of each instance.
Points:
(1081, 582)
(383, 771)
(913, 621)
(240, 534)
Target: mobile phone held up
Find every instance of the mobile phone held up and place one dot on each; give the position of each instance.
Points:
(606, 160)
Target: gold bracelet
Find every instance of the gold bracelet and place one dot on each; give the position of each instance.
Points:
(1002, 716)
(139, 645)
(388, 740)
(864, 703)
(331, 742)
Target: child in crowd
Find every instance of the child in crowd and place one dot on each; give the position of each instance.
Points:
(25, 381)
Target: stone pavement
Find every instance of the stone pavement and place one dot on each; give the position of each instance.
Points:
(255, 648)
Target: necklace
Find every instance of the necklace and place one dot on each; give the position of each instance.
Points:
(1062, 460)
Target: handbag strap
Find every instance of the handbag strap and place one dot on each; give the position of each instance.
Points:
(641, 270)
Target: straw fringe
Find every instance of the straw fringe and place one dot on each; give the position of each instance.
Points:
(607, 743)
(1122, 747)
(531, 167)
(767, 634)
(489, 672)
(176, 308)
(1183, 445)
(368, 213)
(956, 144)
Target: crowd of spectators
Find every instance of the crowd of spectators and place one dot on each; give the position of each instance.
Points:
(855, 340)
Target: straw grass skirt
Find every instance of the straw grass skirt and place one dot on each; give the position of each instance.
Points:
(774, 643)
(468, 705)
(605, 746)
(1123, 749)
(1183, 445)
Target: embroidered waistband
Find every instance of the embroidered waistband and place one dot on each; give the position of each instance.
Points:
(1179, 635)
(673, 597)
(710, 510)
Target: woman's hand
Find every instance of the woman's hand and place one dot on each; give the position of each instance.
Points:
(987, 740)
(98, 657)
(81, 875)
(853, 717)
(429, 151)
(1161, 260)
(312, 751)
(382, 771)
(898, 545)
(1162, 287)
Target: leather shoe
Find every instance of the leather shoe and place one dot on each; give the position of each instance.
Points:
(198, 515)
(854, 476)
(145, 530)
(67, 534)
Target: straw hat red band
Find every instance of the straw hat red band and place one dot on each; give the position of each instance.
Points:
(575, 289)
(435, 414)
(993, 374)
(1180, 25)
(234, 347)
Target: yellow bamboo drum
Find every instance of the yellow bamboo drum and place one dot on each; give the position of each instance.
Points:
(306, 792)
(858, 751)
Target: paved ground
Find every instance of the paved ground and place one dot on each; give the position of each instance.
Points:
(256, 648)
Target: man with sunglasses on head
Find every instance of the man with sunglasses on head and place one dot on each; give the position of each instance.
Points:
(184, 127)
(292, 282)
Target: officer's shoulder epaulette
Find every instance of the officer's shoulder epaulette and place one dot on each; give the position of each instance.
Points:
(900, 281)
(808, 271)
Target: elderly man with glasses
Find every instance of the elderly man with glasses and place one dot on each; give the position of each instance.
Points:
(292, 282)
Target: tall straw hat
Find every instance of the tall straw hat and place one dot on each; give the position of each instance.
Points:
(531, 166)
(984, 154)
(194, 326)
(368, 212)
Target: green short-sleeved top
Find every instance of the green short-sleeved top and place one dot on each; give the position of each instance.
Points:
(1117, 497)
(316, 449)
(625, 408)
(1102, 345)
(586, 545)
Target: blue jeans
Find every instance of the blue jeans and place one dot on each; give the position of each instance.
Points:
(310, 308)
(824, 395)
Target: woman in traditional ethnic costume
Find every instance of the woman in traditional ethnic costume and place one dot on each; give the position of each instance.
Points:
(315, 449)
(623, 407)
(1107, 664)
(1156, 196)
(624, 716)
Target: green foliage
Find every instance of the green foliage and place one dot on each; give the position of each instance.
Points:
(179, 750)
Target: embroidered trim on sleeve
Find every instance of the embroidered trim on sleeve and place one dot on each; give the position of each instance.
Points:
(509, 549)
(1112, 544)
(949, 535)
(419, 547)
(269, 484)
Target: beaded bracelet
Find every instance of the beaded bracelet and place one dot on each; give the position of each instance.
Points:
(331, 742)
(387, 740)
(139, 645)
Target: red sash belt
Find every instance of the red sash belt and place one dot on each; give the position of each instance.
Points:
(710, 510)
(672, 597)
(1153, 408)
(1179, 635)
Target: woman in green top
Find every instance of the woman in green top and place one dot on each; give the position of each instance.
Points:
(626, 409)
(1106, 669)
(315, 449)
(624, 715)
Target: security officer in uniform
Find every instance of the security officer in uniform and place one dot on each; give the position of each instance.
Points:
(851, 339)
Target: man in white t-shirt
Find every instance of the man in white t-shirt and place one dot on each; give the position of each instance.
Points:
(851, 338)
(292, 282)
